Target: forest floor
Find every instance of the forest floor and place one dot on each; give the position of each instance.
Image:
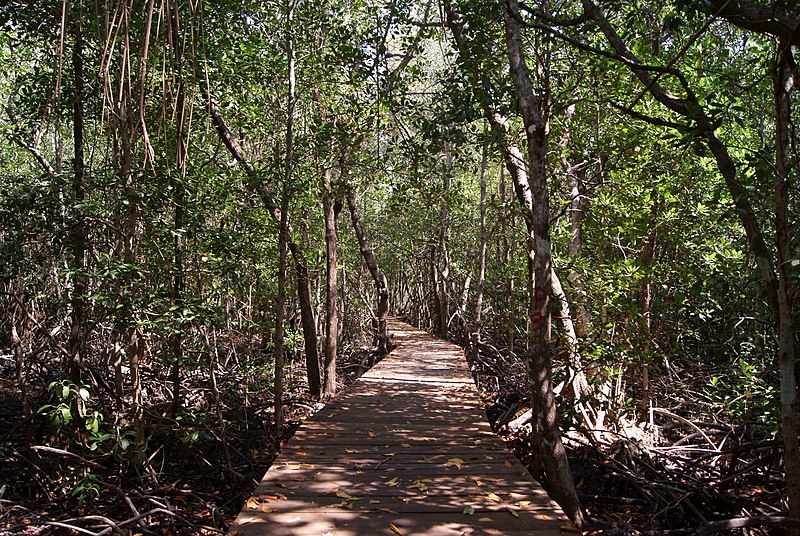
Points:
(199, 469)
(687, 468)
(691, 468)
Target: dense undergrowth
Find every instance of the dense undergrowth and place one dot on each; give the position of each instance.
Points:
(692, 463)
(193, 476)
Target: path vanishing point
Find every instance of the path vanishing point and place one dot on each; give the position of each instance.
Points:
(405, 450)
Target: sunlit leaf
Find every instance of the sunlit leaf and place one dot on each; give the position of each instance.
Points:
(386, 511)
(418, 484)
(457, 462)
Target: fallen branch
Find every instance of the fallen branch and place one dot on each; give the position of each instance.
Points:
(165, 512)
(687, 422)
(60, 524)
(735, 523)
(67, 453)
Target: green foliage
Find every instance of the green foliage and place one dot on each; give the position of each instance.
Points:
(661, 243)
(746, 392)
(86, 490)
(73, 403)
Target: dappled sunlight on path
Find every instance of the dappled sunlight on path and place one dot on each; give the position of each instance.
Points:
(405, 450)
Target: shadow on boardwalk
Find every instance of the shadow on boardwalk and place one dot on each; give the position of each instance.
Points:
(405, 450)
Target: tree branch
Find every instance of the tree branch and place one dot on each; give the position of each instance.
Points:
(17, 138)
(773, 18)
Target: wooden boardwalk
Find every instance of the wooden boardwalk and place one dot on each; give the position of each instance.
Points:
(405, 450)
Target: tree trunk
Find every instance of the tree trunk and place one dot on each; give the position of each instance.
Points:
(79, 238)
(443, 264)
(307, 319)
(645, 312)
(381, 285)
(331, 305)
(283, 219)
(579, 204)
(19, 318)
(578, 209)
(475, 331)
(547, 434)
(436, 314)
(179, 202)
(304, 295)
(507, 316)
(133, 338)
(280, 309)
(787, 353)
(578, 384)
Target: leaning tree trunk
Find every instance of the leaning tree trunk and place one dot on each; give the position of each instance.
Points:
(304, 296)
(381, 285)
(547, 432)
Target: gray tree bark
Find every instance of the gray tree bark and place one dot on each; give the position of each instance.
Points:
(381, 284)
(787, 350)
(547, 433)
(331, 303)
(307, 317)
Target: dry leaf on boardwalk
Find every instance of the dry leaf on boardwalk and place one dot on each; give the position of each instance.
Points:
(418, 484)
(386, 511)
(493, 497)
(457, 462)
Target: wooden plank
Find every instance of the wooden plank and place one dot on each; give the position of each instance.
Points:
(405, 450)
(358, 524)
